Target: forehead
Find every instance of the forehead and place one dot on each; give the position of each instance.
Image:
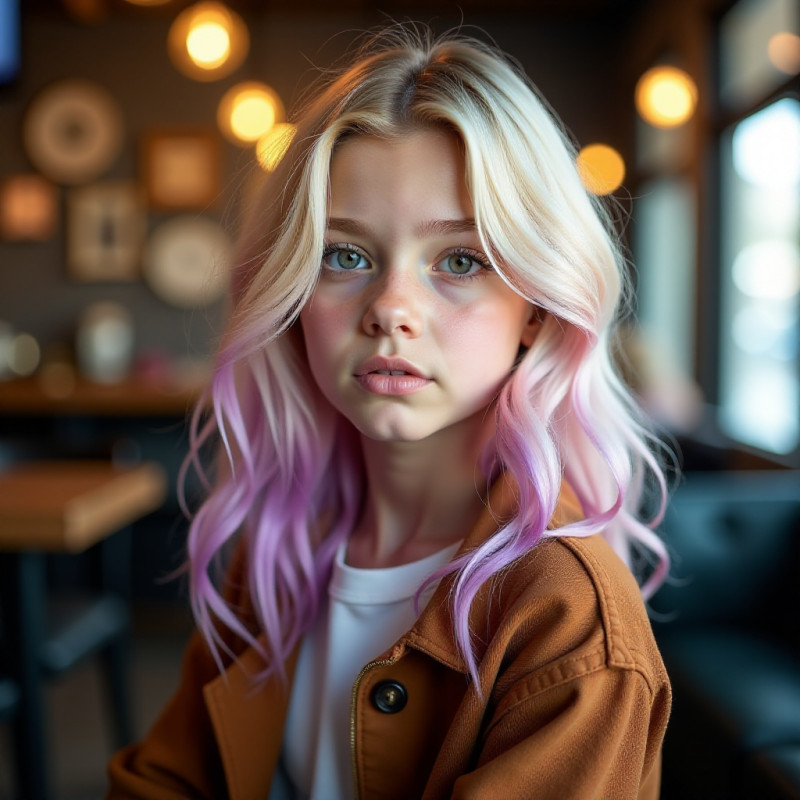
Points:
(421, 172)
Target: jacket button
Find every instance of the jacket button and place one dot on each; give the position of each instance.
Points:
(389, 697)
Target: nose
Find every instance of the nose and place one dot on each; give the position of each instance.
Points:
(395, 307)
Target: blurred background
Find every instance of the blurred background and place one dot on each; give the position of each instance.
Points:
(132, 132)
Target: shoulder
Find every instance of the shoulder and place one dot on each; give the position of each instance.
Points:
(571, 607)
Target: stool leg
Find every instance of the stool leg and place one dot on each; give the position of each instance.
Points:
(115, 578)
(22, 600)
(115, 665)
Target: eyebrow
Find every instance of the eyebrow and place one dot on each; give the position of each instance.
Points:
(433, 227)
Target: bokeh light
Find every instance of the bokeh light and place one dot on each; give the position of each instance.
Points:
(783, 50)
(761, 331)
(24, 355)
(766, 146)
(601, 167)
(208, 41)
(208, 45)
(248, 111)
(666, 96)
(769, 270)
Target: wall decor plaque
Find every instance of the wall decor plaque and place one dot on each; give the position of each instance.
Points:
(28, 208)
(186, 261)
(105, 231)
(181, 168)
(73, 131)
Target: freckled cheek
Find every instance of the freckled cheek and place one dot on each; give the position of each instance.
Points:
(334, 302)
(481, 335)
(325, 327)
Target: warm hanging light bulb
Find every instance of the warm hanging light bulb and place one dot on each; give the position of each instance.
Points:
(666, 96)
(248, 111)
(602, 168)
(208, 45)
(208, 41)
(252, 116)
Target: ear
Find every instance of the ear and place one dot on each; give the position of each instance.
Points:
(532, 326)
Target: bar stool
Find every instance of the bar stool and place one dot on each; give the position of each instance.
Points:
(66, 507)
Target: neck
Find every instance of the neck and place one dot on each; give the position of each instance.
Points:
(421, 496)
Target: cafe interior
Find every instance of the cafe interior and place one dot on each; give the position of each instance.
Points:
(133, 133)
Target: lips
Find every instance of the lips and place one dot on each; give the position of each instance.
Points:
(394, 377)
(381, 365)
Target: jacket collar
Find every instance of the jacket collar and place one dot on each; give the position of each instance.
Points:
(433, 631)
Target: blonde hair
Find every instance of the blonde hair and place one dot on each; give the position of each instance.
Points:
(563, 413)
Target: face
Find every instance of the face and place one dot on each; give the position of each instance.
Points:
(409, 330)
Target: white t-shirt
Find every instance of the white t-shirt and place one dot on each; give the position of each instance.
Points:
(367, 610)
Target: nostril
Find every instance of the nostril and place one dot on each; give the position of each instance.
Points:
(389, 320)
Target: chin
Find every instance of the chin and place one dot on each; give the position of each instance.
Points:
(392, 433)
(392, 427)
(411, 430)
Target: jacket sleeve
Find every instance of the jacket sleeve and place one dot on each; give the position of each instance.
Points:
(179, 758)
(596, 736)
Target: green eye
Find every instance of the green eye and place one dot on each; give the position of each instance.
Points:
(459, 264)
(347, 259)
(344, 258)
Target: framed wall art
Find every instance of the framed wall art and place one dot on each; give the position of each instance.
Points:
(73, 131)
(186, 261)
(181, 169)
(105, 231)
(28, 208)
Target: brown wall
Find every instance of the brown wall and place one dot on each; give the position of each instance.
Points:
(576, 62)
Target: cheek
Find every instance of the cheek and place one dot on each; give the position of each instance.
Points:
(484, 335)
(320, 323)
(332, 309)
(314, 326)
(326, 328)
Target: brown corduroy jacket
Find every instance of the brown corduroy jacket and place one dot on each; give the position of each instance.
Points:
(574, 700)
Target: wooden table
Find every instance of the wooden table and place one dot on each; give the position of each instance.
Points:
(65, 506)
(70, 505)
(130, 397)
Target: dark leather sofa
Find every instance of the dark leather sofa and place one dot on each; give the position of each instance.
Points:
(728, 625)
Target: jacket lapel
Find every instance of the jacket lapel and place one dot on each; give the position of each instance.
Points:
(248, 719)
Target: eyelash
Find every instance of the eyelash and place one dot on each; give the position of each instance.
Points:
(330, 249)
(476, 256)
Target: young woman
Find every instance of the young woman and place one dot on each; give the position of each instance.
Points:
(412, 571)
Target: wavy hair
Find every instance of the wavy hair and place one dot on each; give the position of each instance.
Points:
(289, 475)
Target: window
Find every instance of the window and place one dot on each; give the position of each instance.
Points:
(760, 278)
(759, 214)
(664, 244)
